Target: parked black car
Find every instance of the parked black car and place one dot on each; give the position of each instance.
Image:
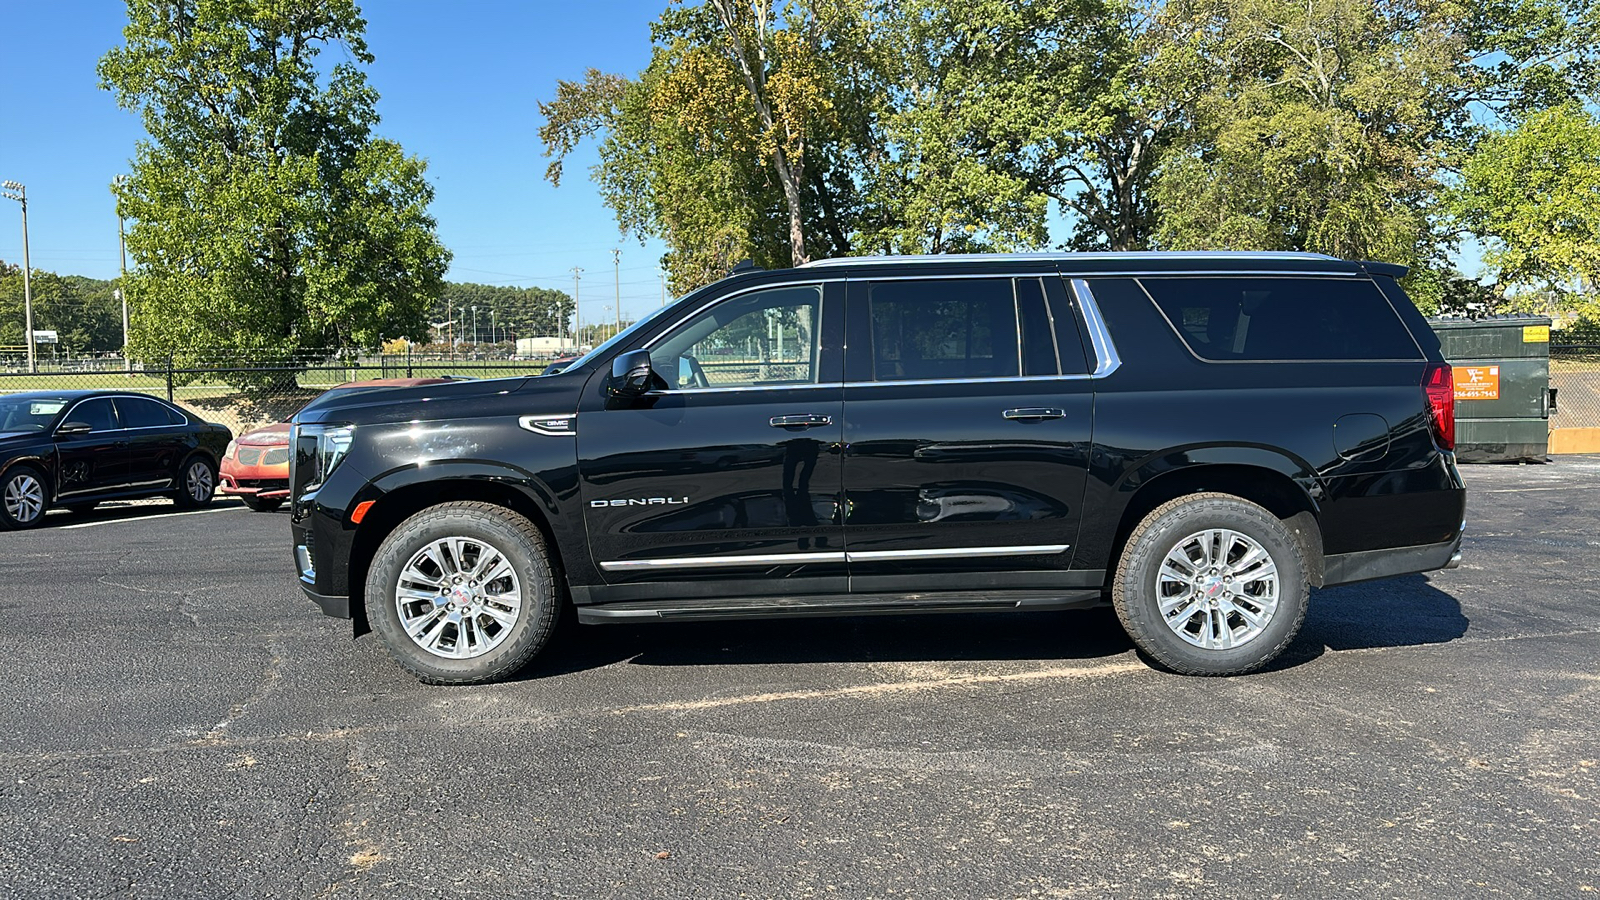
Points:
(1197, 439)
(79, 448)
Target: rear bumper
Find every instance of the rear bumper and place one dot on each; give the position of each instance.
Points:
(1366, 565)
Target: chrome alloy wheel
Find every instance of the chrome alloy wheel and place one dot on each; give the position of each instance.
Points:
(24, 498)
(1218, 589)
(458, 598)
(198, 482)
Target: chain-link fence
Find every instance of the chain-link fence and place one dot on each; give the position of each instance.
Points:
(1575, 374)
(245, 391)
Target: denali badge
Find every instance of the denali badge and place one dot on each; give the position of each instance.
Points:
(641, 501)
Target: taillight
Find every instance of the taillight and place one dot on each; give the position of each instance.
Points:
(1439, 383)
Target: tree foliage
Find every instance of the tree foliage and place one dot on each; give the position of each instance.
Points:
(265, 212)
(82, 311)
(935, 126)
(524, 312)
(1535, 193)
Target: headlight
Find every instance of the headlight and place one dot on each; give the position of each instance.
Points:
(318, 450)
(233, 447)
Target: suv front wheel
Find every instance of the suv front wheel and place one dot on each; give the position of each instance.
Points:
(1211, 584)
(462, 593)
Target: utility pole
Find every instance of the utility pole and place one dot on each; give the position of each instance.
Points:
(122, 245)
(17, 192)
(662, 276)
(577, 310)
(476, 338)
(616, 268)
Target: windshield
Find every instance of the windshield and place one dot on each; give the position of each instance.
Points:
(29, 413)
(618, 338)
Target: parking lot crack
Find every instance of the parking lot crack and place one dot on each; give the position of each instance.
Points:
(269, 679)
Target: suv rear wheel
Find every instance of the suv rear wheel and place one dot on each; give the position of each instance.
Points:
(462, 593)
(1211, 584)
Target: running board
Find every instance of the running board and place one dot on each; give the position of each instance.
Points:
(848, 605)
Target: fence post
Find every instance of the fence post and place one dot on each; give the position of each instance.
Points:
(408, 361)
(169, 376)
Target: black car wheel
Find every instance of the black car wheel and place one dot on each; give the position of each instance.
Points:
(1211, 584)
(24, 498)
(197, 483)
(462, 593)
(260, 505)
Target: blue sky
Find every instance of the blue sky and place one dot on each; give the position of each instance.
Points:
(459, 85)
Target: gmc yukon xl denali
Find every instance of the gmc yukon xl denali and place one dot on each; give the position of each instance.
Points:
(1197, 439)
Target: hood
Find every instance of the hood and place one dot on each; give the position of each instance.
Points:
(270, 435)
(444, 401)
(21, 437)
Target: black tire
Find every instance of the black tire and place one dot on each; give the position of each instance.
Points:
(260, 505)
(500, 529)
(24, 498)
(1136, 591)
(190, 483)
(87, 506)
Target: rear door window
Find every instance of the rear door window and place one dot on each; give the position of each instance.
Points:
(139, 413)
(1250, 319)
(944, 329)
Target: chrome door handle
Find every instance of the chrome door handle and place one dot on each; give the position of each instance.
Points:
(1034, 412)
(806, 421)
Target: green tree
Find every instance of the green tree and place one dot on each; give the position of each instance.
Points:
(265, 213)
(523, 312)
(80, 310)
(1534, 192)
(743, 138)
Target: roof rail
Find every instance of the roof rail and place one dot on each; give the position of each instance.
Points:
(1047, 256)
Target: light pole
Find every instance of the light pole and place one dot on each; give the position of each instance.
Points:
(122, 245)
(577, 310)
(17, 192)
(616, 268)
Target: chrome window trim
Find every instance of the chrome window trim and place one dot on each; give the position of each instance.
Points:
(765, 559)
(1107, 359)
(158, 401)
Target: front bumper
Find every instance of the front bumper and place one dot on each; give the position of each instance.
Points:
(335, 605)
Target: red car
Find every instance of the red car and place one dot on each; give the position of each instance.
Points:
(256, 467)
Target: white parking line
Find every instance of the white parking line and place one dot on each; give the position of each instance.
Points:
(194, 512)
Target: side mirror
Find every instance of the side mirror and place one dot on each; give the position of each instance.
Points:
(70, 428)
(631, 374)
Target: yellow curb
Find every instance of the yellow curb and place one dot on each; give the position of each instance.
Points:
(1575, 440)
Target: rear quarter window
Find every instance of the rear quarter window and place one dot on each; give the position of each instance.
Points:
(1259, 319)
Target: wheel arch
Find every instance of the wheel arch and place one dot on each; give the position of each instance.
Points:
(1286, 491)
(39, 464)
(406, 500)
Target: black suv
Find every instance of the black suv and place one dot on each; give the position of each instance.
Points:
(1198, 439)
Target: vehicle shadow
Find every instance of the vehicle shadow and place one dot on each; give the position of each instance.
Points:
(116, 510)
(960, 637)
(1396, 612)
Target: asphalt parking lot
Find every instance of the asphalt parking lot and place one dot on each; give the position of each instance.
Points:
(180, 722)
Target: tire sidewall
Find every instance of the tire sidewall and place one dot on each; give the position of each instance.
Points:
(527, 556)
(44, 484)
(1136, 594)
(182, 495)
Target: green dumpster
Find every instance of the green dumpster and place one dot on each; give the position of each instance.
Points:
(1502, 377)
